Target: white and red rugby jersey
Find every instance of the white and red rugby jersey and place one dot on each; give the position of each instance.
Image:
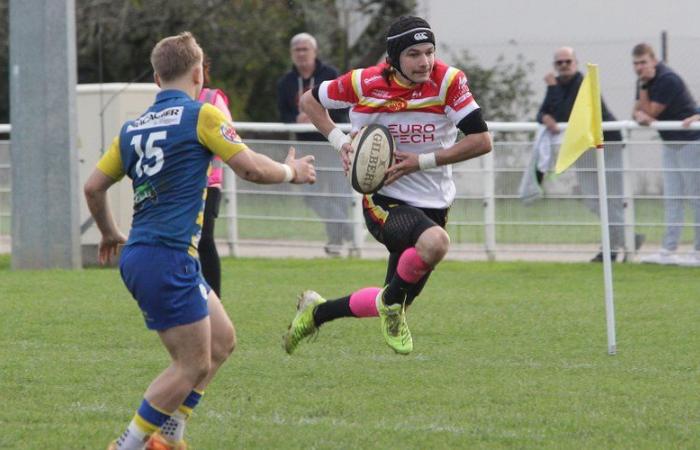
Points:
(422, 119)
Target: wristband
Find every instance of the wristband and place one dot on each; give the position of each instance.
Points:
(288, 173)
(337, 139)
(427, 161)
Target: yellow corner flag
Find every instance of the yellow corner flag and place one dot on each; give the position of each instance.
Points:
(585, 128)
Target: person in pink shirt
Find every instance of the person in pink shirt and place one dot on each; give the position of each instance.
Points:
(208, 255)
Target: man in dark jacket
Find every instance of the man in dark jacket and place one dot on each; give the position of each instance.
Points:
(308, 71)
(562, 89)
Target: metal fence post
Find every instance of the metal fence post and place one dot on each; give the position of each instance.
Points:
(627, 197)
(489, 206)
(231, 197)
(358, 229)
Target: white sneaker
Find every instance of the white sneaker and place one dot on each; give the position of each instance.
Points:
(692, 260)
(664, 257)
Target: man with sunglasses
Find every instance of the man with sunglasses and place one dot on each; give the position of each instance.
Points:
(562, 89)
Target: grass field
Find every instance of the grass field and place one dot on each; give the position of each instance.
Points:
(507, 355)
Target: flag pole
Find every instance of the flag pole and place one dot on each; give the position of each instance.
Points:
(607, 261)
(583, 132)
(603, 207)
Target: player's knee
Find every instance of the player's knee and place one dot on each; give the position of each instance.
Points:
(196, 370)
(223, 345)
(223, 348)
(432, 245)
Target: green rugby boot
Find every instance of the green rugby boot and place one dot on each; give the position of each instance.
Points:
(303, 324)
(394, 327)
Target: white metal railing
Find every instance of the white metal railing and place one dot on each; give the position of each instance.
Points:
(488, 169)
(622, 125)
(486, 188)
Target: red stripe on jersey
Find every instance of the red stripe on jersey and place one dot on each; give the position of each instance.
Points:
(384, 109)
(341, 89)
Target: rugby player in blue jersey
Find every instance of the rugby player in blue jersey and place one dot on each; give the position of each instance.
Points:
(167, 152)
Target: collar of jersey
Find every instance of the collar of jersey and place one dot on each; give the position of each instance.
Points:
(170, 93)
(400, 83)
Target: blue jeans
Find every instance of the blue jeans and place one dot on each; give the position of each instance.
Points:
(587, 176)
(680, 182)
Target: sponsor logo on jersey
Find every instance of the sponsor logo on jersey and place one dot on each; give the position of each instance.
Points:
(229, 133)
(420, 36)
(462, 98)
(463, 88)
(396, 104)
(142, 193)
(164, 118)
(372, 79)
(380, 93)
(412, 133)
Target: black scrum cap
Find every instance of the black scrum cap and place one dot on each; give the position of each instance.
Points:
(405, 32)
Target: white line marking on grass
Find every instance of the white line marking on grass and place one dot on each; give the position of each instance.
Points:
(80, 407)
(278, 418)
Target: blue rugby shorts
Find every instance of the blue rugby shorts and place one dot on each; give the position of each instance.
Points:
(166, 283)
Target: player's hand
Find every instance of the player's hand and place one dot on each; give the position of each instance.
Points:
(108, 247)
(304, 171)
(303, 118)
(550, 79)
(405, 163)
(346, 153)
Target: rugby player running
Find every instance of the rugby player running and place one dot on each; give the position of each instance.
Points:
(423, 102)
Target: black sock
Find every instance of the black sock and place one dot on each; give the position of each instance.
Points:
(332, 309)
(396, 291)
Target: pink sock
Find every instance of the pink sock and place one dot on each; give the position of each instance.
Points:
(411, 267)
(362, 302)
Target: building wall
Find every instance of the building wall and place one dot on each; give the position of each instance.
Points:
(601, 31)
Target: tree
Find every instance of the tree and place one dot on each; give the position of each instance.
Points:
(502, 90)
(248, 43)
(247, 40)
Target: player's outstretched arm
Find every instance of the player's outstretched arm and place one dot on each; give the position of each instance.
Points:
(258, 168)
(96, 196)
(217, 134)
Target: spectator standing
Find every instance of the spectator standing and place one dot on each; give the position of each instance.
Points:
(662, 95)
(562, 89)
(307, 72)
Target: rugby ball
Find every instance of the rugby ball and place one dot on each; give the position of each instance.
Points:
(373, 153)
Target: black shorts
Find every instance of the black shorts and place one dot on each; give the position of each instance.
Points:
(396, 224)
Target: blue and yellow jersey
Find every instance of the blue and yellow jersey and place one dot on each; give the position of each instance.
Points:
(167, 153)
